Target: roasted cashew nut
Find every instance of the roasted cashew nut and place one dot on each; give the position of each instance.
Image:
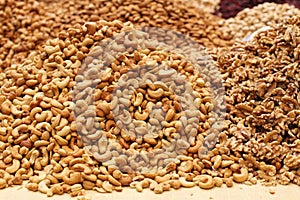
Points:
(14, 167)
(206, 182)
(241, 177)
(185, 183)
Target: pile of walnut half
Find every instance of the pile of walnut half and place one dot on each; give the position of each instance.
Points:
(263, 102)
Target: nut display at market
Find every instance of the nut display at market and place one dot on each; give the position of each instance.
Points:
(159, 95)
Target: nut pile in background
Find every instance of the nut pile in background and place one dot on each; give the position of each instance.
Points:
(38, 138)
(27, 24)
(250, 20)
(229, 8)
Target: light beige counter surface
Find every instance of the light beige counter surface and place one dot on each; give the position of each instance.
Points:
(239, 192)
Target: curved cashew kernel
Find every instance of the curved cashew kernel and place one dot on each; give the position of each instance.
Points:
(137, 185)
(149, 139)
(113, 181)
(217, 161)
(41, 117)
(186, 166)
(125, 180)
(2, 183)
(125, 118)
(166, 186)
(14, 167)
(51, 50)
(90, 177)
(76, 187)
(33, 156)
(169, 131)
(104, 106)
(20, 172)
(74, 178)
(62, 174)
(52, 179)
(63, 122)
(141, 130)
(174, 184)
(45, 159)
(32, 187)
(218, 181)
(170, 114)
(226, 163)
(141, 116)
(138, 99)
(37, 179)
(15, 152)
(102, 145)
(194, 149)
(182, 144)
(117, 174)
(44, 125)
(61, 141)
(206, 181)
(107, 186)
(64, 132)
(62, 84)
(22, 127)
(56, 104)
(228, 182)
(158, 189)
(242, 177)
(16, 181)
(43, 186)
(57, 189)
(5, 175)
(156, 94)
(5, 107)
(88, 185)
(76, 161)
(15, 111)
(185, 183)
(16, 123)
(55, 120)
(41, 143)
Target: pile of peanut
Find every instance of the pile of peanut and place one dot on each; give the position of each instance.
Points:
(42, 141)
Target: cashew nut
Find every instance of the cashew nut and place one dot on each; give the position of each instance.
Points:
(14, 167)
(206, 181)
(2, 183)
(73, 179)
(241, 177)
(43, 186)
(156, 94)
(185, 183)
(107, 186)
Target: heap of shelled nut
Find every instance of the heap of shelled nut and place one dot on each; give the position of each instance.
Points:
(45, 139)
(263, 101)
(250, 20)
(26, 25)
(229, 8)
(39, 139)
